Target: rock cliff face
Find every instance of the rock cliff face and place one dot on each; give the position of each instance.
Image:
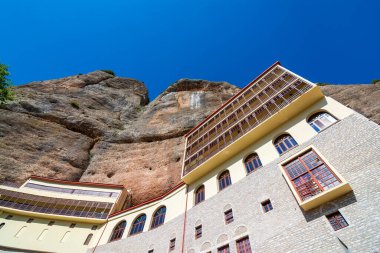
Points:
(101, 128)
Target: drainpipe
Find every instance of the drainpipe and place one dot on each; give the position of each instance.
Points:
(100, 236)
(184, 221)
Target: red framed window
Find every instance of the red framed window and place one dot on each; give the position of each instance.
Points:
(198, 232)
(224, 180)
(252, 162)
(200, 194)
(172, 244)
(118, 231)
(267, 206)
(224, 249)
(310, 175)
(228, 216)
(337, 220)
(159, 217)
(138, 225)
(243, 246)
(285, 143)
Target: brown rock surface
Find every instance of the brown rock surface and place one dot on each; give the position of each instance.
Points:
(100, 128)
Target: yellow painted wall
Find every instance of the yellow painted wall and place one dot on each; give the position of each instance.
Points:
(297, 127)
(52, 241)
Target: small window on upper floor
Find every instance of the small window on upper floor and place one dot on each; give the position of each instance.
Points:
(337, 221)
(228, 216)
(30, 220)
(51, 223)
(321, 120)
(2, 225)
(151, 251)
(94, 227)
(9, 217)
(252, 162)
(159, 217)
(224, 180)
(200, 194)
(138, 225)
(72, 225)
(284, 143)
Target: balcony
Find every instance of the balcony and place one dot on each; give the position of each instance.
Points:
(54, 207)
(261, 106)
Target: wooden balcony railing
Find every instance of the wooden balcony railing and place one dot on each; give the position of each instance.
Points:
(232, 128)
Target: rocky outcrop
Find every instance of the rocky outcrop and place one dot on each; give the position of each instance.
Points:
(101, 128)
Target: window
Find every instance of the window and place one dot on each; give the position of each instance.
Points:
(51, 223)
(72, 225)
(224, 180)
(228, 216)
(267, 206)
(2, 225)
(243, 246)
(252, 163)
(138, 225)
(198, 232)
(94, 227)
(200, 194)
(284, 143)
(337, 220)
(151, 251)
(159, 217)
(310, 175)
(9, 217)
(172, 244)
(118, 231)
(224, 249)
(321, 120)
(88, 239)
(30, 220)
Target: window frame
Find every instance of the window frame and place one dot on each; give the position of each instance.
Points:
(250, 159)
(226, 219)
(134, 224)
(224, 247)
(266, 203)
(199, 189)
(198, 232)
(172, 244)
(154, 218)
(323, 197)
(245, 249)
(334, 214)
(226, 179)
(310, 120)
(116, 228)
(281, 140)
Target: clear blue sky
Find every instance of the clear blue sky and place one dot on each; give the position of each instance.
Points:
(159, 42)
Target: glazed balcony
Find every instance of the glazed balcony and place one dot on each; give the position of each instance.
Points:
(261, 106)
(59, 208)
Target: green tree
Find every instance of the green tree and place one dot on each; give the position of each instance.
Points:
(6, 92)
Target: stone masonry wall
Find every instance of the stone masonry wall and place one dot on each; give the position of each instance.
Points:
(351, 146)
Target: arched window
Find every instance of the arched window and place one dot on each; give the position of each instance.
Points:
(224, 180)
(88, 239)
(159, 217)
(284, 143)
(252, 162)
(321, 120)
(138, 225)
(2, 225)
(118, 231)
(200, 194)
